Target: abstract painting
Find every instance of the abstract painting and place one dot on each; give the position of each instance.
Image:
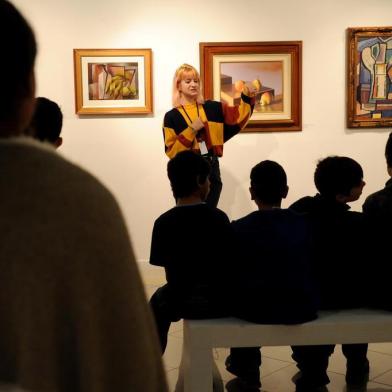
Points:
(369, 77)
(113, 81)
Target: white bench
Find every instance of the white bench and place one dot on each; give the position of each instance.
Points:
(342, 326)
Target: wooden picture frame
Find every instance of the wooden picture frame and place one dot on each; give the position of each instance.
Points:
(369, 77)
(276, 65)
(113, 81)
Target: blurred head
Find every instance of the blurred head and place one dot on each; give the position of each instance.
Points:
(47, 121)
(337, 176)
(17, 71)
(185, 76)
(388, 151)
(188, 173)
(268, 183)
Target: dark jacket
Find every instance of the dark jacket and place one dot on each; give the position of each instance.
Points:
(339, 251)
(377, 210)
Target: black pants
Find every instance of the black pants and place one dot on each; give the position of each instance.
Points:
(166, 309)
(164, 313)
(313, 360)
(244, 360)
(215, 182)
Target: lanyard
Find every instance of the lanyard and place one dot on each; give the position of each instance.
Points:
(186, 113)
(199, 137)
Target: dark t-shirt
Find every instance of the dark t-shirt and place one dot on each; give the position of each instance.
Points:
(340, 251)
(194, 245)
(273, 277)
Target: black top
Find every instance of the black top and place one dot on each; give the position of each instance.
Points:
(273, 277)
(194, 245)
(378, 205)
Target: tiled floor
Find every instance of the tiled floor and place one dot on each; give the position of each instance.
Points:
(278, 368)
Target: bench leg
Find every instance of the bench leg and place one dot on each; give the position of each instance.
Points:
(196, 364)
(217, 382)
(198, 370)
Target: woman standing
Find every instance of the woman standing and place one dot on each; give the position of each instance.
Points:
(202, 126)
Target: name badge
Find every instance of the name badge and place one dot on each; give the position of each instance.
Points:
(203, 148)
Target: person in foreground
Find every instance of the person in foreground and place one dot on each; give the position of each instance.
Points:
(378, 213)
(339, 265)
(273, 281)
(193, 242)
(73, 312)
(47, 122)
(203, 126)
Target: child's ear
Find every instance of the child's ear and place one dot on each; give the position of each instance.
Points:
(340, 198)
(285, 192)
(58, 142)
(199, 182)
(252, 193)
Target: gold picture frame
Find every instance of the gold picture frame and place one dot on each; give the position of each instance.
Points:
(274, 67)
(113, 81)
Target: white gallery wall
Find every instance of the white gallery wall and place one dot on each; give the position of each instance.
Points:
(126, 152)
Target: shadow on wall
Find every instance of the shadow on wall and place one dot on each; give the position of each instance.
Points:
(234, 196)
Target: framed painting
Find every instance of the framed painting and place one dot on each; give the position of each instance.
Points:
(272, 69)
(369, 77)
(113, 81)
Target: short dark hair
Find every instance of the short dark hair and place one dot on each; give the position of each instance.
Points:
(336, 175)
(269, 182)
(18, 42)
(47, 120)
(388, 150)
(186, 171)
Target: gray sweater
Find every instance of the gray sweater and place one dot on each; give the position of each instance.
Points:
(73, 313)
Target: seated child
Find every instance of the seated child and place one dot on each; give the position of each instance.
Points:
(193, 242)
(339, 264)
(47, 122)
(377, 210)
(273, 281)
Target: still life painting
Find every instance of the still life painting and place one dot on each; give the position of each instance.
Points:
(264, 77)
(272, 70)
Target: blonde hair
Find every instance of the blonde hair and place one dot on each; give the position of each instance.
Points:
(181, 72)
